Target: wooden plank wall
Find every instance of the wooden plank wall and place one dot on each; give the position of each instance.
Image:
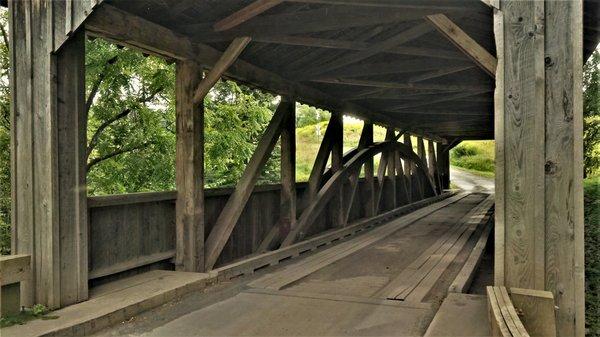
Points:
(539, 198)
(128, 231)
(47, 155)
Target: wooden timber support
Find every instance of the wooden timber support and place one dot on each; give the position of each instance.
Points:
(288, 202)
(539, 238)
(189, 163)
(332, 186)
(48, 141)
(465, 43)
(369, 172)
(336, 206)
(443, 166)
(230, 214)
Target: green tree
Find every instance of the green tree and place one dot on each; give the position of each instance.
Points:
(591, 115)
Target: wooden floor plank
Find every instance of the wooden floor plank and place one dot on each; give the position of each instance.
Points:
(442, 253)
(463, 280)
(294, 272)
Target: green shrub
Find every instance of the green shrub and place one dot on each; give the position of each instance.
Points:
(592, 255)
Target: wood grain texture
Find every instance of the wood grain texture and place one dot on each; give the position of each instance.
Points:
(564, 245)
(465, 43)
(219, 235)
(229, 56)
(254, 9)
(189, 164)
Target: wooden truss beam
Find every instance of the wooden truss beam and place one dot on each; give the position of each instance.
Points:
(465, 43)
(450, 98)
(306, 41)
(229, 56)
(245, 14)
(400, 85)
(129, 30)
(390, 4)
(230, 214)
(309, 21)
(395, 41)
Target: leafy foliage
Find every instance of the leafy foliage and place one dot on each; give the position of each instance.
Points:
(591, 115)
(474, 155)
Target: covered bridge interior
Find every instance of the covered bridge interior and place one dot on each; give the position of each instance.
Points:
(440, 70)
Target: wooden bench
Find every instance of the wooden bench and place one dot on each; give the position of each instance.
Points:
(13, 270)
(521, 312)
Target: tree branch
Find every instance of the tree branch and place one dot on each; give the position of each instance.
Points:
(5, 36)
(98, 160)
(96, 87)
(94, 141)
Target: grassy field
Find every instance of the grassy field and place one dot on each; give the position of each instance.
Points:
(474, 156)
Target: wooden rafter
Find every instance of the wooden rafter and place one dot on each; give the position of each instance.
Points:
(245, 14)
(395, 41)
(306, 41)
(390, 4)
(400, 85)
(133, 31)
(465, 43)
(229, 56)
(438, 73)
(309, 21)
(230, 214)
(449, 98)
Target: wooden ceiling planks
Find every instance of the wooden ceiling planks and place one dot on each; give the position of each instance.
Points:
(332, 46)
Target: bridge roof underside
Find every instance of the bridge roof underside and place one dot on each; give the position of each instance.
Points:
(378, 59)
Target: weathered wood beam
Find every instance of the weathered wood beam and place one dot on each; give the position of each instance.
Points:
(287, 214)
(366, 139)
(189, 164)
(225, 61)
(316, 174)
(421, 153)
(408, 168)
(399, 85)
(336, 206)
(306, 41)
(369, 200)
(465, 43)
(438, 73)
(254, 9)
(391, 4)
(230, 214)
(129, 30)
(309, 21)
(449, 98)
(384, 161)
(395, 41)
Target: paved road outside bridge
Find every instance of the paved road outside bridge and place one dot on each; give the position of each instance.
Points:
(471, 182)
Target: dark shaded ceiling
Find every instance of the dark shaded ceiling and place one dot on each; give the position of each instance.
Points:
(423, 81)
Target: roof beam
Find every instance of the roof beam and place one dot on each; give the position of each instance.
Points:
(438, 73)
(388, 4)
(357, 45)
(465, 43)
(308, 21)
(399, 85)
(441, 99)
(229, 56)
(245, 14)
(133, 31)
(395, 41)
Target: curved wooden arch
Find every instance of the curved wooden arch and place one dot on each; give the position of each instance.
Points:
(310, 214)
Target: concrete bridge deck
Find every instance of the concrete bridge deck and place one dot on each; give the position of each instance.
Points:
(388, 281)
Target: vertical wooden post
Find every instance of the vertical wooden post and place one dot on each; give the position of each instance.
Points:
(408, 169)
(369, 174)
(49, 212)
(443, 164)
(539, 204)
(288, 172)
(337, 157)
(392, 172)
(189, 170)
(421, 153)
(432, 163)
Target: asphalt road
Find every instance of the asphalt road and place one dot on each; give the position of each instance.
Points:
(471, 182)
